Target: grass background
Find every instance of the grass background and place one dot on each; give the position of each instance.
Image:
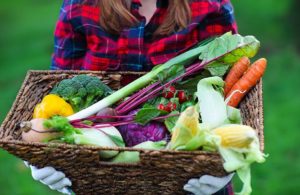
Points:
(26, 42)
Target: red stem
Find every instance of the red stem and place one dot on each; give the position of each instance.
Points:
(135, 96)
(119, 123)
(193, 68)
(127, 105)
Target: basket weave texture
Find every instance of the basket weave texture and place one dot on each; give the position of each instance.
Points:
(158, 172)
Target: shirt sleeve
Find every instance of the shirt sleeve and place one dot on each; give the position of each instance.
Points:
(221, 21)
(69, 44)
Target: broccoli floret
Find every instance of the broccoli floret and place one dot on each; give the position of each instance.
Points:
(94, 87)
(86, 80)
(72, 91)
(82, 91)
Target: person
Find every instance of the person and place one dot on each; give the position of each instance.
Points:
(134, 35)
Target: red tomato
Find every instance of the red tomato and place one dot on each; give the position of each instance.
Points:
(181, 96)
(169, 92)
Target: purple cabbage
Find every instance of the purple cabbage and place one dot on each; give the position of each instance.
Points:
(134, 133)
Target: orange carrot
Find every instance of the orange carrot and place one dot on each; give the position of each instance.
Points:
(235, 73)
(248, 80)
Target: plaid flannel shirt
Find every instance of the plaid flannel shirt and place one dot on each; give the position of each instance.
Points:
(81, 43)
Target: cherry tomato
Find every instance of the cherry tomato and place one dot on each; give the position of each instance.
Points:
(161, 107)
(169, 92)
(171, 106)
(182, 97)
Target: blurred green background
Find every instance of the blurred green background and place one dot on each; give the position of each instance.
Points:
(26, 42)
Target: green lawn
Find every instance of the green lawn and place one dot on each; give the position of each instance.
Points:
(26, 42)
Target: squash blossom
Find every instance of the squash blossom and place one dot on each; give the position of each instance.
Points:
(186, 128)
(52, 105)
(235, 136)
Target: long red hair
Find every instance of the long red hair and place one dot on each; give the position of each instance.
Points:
(115, 16)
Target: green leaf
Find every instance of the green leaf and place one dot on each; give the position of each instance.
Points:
(229, 48)
(171, 73)
(190, 85)
(218, 68)
(171, 121)
(146, 114)
(156, 101)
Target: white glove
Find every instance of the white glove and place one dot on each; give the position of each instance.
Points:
(207, 184)
(56, 180)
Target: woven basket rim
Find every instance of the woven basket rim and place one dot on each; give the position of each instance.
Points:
(98, 148)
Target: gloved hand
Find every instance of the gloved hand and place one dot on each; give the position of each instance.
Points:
(56, 180)
(207, 184)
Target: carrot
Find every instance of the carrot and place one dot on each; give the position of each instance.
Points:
(235, 73)
(248, 80)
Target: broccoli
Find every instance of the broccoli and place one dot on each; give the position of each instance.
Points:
(81, 91)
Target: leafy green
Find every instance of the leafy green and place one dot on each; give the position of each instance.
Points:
(229, 48)
(217, 68)
(147, 113)
(171, 73)
(171, 121)
(190, 85)
(156, 101)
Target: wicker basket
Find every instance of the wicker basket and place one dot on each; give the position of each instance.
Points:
(158, 172)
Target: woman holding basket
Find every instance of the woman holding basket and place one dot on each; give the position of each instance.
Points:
(134, 35)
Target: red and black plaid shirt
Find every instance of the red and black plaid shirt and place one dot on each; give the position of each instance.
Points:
(81, 43)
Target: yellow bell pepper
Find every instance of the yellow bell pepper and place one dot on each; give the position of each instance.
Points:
(52, 105)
